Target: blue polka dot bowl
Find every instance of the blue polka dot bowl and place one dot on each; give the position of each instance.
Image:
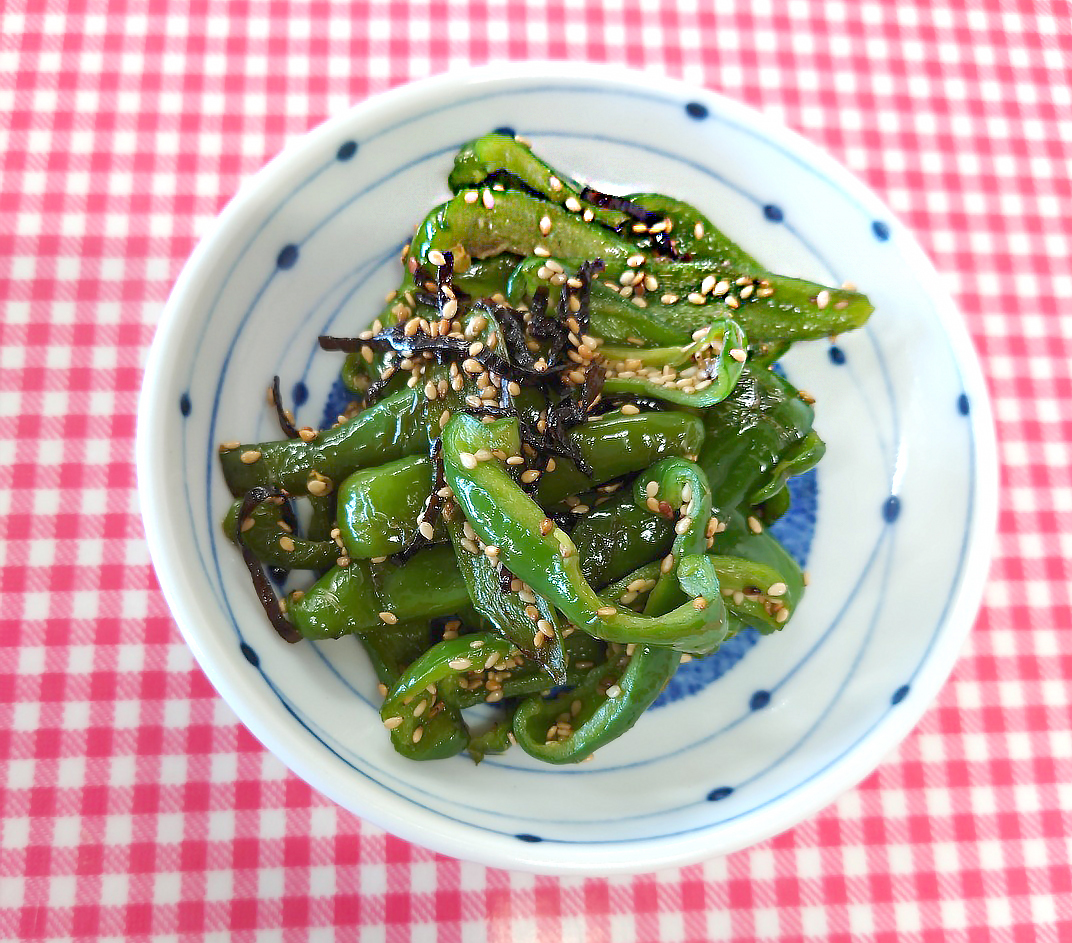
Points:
(895, 527)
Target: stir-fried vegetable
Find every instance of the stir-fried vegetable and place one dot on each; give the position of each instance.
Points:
(554, 480)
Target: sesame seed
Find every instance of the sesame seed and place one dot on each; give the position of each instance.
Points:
(698, 231)
(721, 288)
(777, 589)
(436, 258)
(542, 251)
(754, 525)
(468, 460)
(528, 477)
(607, 611)
(378, 560)
(732, 302)
(554, 183)
(287, 543)
(614, 691)
(696, 298)
(484, 455)
(342, 561)
(651, 489)
(580, 509)
(634, 260)
(546, 526)
(630, 410)
(514, 388)
(250, 456)
(417, 734)
(307, 434)
(565, 551)
(450, 308)
(444, 418)
(430, 390)
(588, 216)
(460, 664)
(683, 525)
(746, 292)
(392, 722)
(471, 196)
(699, 603)
(546, 628)
(781, 615)
(489, 200)
(822, 299)
(491, 551)
(247, 524)
(668, 563)
(707, 284)
(426, 529)
(739, 355)
(388, 617)
(545, 226)
(669, 299)
(572, 204)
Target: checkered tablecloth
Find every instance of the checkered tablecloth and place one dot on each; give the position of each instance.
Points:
(133, 804)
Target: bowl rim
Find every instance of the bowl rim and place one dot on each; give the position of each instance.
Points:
(396, 814)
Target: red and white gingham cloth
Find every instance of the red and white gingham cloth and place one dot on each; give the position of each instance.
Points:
(132, 804)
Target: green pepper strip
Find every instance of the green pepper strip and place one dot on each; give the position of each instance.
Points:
(274, 546)
(394, 427)
(712, 367)
(378, 507)
(503, 515)
(605, 705)
(745, 586)
(423, 725)
(485, 155)
(677, 489)
(506, 610)
(351, 599)
(748, 433)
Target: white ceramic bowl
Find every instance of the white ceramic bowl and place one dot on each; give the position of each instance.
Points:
(896, 526)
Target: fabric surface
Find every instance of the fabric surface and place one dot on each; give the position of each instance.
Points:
(133, 804)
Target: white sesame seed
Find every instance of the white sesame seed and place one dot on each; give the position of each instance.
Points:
(392, 722)
(426, 529)
(707, 284)
(489, 200)
(607, 611)
(287, 543)
(777, 589)
(545, 226)
(669, 299)
(696, 298)
(554, 183)
(572, 204)
(683, 525)
(614, 691)
(634, 260)
(250, 456)
(822, 299)
(460, 664)
(388, 617)
(436, 257)
(471, 196)
(629, 409)
(468, 460)
(698, 231)
(542, 251)
(781, 615)
(529, 476)
(721, 288)
(668, 563)
(739, 355)
(754, 525)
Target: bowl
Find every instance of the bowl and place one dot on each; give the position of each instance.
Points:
(895, 527)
